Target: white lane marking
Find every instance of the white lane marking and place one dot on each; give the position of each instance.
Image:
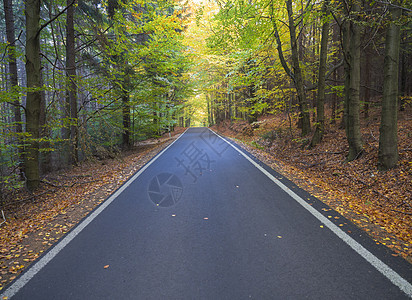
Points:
(394, 277)
(32, 271)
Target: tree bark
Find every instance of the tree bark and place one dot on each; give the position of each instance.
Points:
(33, 94)
(352, 86)
(126, 141)
(367, 85)
(388, 138)
(71, 132)
(45, 131)
(320, 100)
(403, 73)
(298, 77)
(11, 40)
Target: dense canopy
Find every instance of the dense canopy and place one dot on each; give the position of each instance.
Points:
(79, 77)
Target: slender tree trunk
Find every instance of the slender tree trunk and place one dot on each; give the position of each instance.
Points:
(367, 85)
(33, 94)
(209, 118)
(320, 100)
(352, 87)
(126, 141)
(229, 106)
(70, 133)
(298, 77)
(126, 134)
(388, 138)
(45, 157)
(11, 36)
(404, 70)
(335, 76)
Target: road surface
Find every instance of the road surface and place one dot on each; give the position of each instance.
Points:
(203, 220)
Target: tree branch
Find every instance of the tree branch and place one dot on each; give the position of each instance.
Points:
(8, 45)
(331, 70)
(54, 18)
(279, 47)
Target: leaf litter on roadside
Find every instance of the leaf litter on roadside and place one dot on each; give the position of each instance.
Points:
(36, 224)
(378, 202)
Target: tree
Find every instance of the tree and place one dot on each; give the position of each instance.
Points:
(11, 40)
(70, 132)
(33, 92)
(320, 102)
(388, 138)
(351, 47)
(297, 71)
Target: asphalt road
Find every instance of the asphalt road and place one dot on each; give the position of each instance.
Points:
(202, 221)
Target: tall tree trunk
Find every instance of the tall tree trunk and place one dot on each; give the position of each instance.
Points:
(404, 72)
(367, 85)
(335, 76)
(71, 132)
(298, 77)
(209, 118)
(352, 86)
(45, 131)
(33, 94)
(320, 100)
(388, 138)
(126, 141)
(126, 134)
(11, 36)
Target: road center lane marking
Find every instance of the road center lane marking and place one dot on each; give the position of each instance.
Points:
(33, 270)
(394, 277)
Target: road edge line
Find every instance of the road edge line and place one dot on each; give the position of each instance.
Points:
(383, 268)
(33, 270)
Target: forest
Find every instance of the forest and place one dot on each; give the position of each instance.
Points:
(80, 77)
(320, 91)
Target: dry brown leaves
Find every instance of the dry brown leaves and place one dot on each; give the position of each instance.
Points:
(36, 222)
(378, 202)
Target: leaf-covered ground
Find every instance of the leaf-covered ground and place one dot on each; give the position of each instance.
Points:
(35, 222)
(378, 202)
